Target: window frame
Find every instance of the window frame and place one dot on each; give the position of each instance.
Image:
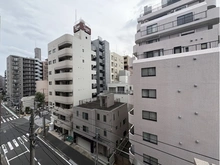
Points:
(150, 160)
(85, 116)
(150, 29)
(104, 118)
(148, 75)
(206, 46)
(148, 90)
(184, 19)
(149, 138)
(150, 112)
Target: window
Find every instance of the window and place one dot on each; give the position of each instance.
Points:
(77, 127)
(105, 133)
(49, 62)
(150, 160)
(204, 46)
(150, 137)
(154, 53)
(149, 93)
(177, 50)
(50, 82)
(113, 116)
(186, 49)
(77, 113)
(50, 72)
(152, 29)
(104, 118)
(54, 50)
(49, 52)
(82, 50)
(85, 129)
(148, 115)
(50, 93)
(124, 121)
(98, 116)
(54, 61)
(147, 72)
(85, 116)
(184, 19)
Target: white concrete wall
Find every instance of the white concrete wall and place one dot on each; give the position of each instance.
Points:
(197, 80)
(27, 102)
(82, 72)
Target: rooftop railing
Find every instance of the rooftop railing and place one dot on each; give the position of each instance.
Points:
(156, 7)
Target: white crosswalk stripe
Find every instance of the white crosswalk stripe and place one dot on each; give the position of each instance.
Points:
(5, 150)
(20, 140)
(3, 119)
(10, 118)
(10, 146)
(15, 143)
(7, 119)
(14, 118)
(24, 137)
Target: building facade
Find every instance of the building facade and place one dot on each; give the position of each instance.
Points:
(103, 120)
(45, 69)
(71, 77)
(121, 89)
(174, 78)
(102, 67)
(116, 64)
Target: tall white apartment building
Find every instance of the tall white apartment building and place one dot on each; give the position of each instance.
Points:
(116, 64)
(71, 77)
(176, 84)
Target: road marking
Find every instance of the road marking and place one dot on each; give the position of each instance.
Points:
(10, 118)
(24, 138)
(54, 151)
(39, 163)
(17, 156)
(1, 122)
(4, 148)
(20, 140)
(15, 143)
(7, 119)
(10, 111)
(10, 146)
(14, 117)
(3, 119)
(35, 159)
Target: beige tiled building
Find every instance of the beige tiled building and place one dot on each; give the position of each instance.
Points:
(116, 64)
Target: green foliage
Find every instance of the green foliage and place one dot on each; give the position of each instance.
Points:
(39, 97)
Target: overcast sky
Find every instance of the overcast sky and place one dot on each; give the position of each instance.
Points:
(26, 23)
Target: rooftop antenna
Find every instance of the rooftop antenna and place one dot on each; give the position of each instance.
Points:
(75, 15)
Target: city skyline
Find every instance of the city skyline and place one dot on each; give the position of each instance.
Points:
(26, 25)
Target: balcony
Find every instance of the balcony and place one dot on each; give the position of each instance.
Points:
(63, 76)
(131, 132)
(131, 116)
(63, 99)
(64, 64)
(93, 57)
(66, 52)
(63, 111)
(131, 154)
(183, 49)
(68, 125)
(170, 25)
(64, 88)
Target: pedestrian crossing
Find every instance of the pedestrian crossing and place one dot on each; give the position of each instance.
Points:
(7, 119)
(13, 144)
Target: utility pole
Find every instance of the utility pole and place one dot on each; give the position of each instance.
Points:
(32, 137)
(97, 147)
(0, 128)
(44, 122)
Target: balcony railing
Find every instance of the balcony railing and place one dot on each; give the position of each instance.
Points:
(157, 7)
(183, 49)
(175, 23)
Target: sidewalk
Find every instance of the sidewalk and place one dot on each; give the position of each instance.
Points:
(79, 157)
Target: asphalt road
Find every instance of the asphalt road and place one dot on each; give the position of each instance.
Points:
(15, 143)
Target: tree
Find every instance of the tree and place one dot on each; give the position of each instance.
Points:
(40, 98)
